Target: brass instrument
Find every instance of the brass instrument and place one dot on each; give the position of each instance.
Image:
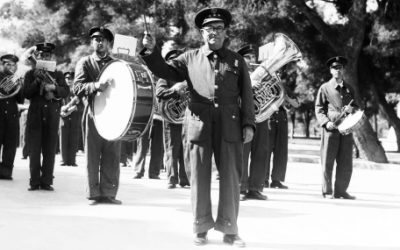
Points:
(10, 86)
(269, 94)
(173, 109)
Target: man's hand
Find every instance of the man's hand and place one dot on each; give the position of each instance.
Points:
(330, 125)
(248, 133)
(179, 88)
(49, 87)
(348, 109)
(148, 42)
(102, 85)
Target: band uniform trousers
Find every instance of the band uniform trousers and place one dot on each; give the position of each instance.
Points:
(69, 136)
(154, 141)
(277, 143)
(42, 131)
(173, 147)
(223, 139)
(253, 175)
(102, 159)
(335, 146)
(9, 132)
(23, 142)
(128, 148)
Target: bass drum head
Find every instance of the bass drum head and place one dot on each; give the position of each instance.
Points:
(113, 108)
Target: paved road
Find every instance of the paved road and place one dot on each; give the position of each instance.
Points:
(153, 217)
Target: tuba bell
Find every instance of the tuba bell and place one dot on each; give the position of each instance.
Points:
(268, 91)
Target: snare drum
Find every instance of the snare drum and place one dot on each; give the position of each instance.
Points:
(124, 110)
(352, 122)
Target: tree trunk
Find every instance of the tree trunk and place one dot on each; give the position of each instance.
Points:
(368, 145)
(390, 114)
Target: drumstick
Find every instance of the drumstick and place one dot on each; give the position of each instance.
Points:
(337, 121)
(146, 29)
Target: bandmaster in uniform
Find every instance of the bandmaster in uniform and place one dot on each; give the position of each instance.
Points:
(218, 79)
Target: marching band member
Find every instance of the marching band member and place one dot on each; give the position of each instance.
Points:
(102, 156)
(217, 79)
(44, 90)
(151, 140)
(71, 116)
(9, 120)
(173, 146)
(333, 97)
(252, 181)
(277, 143)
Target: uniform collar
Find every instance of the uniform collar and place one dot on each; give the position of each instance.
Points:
(97, 58)
(222, 52)
(336, 85)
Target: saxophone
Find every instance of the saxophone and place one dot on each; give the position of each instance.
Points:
(268, 91)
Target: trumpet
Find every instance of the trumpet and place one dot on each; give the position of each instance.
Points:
(46, 78)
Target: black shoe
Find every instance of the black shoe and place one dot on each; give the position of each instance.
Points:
(74, 165)
(242, 196)
(234, 239)
(138, 176)
(46, 187)
(344, 195)
(110, 200)
(34, 187)
(255, 195)
(171, 186)
(63, 164)
(95, 201)
(327, 195)
(200, 239)
(156, 177)
(278, 184)
(184, 184)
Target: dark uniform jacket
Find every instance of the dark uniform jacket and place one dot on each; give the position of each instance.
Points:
(228, 88)
(37, 100)
(330, 101)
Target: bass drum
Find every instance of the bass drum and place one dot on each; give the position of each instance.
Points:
(124, 110)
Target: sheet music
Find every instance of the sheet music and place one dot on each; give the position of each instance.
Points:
(263, 52)
(46, 65)
(125, 45)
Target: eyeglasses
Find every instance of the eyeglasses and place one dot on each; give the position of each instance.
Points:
(337, 67)
(210, 29)
(99, 39)
(9, 64)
